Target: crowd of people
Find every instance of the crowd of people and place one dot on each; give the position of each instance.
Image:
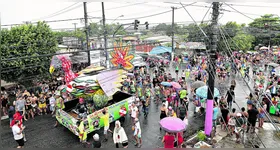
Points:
(146, 85)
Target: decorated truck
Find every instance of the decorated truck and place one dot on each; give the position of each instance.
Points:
(117, 106)
(100, 89)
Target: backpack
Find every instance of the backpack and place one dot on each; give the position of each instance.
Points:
(182, 111)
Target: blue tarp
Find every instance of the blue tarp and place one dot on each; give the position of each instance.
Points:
(160, 50)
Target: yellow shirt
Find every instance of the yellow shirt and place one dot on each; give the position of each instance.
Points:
(105, 120)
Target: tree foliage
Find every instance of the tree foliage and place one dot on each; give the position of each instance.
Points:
(167, 29)
(80, 34)
(24, 41)
(236, 37)
(266, 30)
(96, 29)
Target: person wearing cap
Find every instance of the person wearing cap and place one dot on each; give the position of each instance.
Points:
(96, 141)
(137, 133)
(240, 125)
(81, 108)
(232, 124)
(171, 112)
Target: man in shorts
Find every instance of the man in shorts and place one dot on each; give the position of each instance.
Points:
(252, 117)
(137, 133)
(17, 132)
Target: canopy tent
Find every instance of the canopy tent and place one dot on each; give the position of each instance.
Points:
(159, 39)
(195, 45)
(160, 50)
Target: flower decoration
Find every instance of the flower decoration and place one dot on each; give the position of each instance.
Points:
(120, 56)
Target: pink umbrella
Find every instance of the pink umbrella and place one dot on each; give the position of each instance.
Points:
(172, 124)
(175, 85)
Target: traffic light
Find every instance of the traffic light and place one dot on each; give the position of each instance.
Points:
(147, 25)
(136, 24)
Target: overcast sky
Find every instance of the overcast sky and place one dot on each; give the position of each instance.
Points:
(17, 11)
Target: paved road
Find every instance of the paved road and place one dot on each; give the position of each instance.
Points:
(40, 132)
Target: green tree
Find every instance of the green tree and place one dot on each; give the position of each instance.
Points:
(242, 41)
(195, 34)
(232, 28)
(167, 29)
(24, 41)
(237, 38)
(79, 33)
(96, 29)
(266, 30)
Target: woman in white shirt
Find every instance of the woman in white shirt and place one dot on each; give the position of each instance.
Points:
(17, 132)
(119, 136)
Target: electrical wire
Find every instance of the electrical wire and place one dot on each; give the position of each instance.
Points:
(62, 10)
(27, 57)
(254, 6)
(229, 50)
(245, 92)
(112, 8)
(206, 38)
(206, 13)
(239, 12)
(273, 123)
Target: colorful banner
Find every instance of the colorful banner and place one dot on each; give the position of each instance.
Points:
(121, 57)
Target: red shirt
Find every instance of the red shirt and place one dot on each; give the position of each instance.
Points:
(169, 99)
(169, 141)
(180, 139)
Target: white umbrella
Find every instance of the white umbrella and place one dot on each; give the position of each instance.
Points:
(263, 48)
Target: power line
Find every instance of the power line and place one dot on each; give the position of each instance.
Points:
(119, 7)
(203, 6)
(254, 6)
(46, 55)
(53, 14)
(239, 12)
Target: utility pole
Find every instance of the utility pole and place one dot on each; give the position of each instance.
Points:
(86, 30)
(211, 69)
(75, 27)
(172, 54)
(105, 35)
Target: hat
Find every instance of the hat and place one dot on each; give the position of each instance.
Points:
(81, 100)
(57, 94)
(170, 108)
(96, 137)
(238, 114)
(249, 102)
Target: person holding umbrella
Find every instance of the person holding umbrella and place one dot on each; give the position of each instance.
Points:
(172, 126)
(168, 140)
